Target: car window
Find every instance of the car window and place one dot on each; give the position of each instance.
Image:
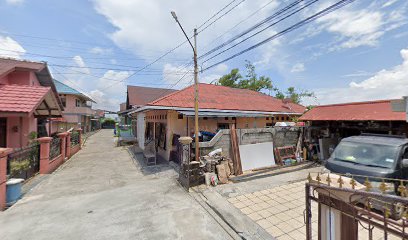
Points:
(366, 154)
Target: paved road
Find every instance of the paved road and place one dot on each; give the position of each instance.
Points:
(101, 193)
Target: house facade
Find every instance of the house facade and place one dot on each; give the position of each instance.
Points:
(28, 102)
(172, 116)
(78, 111)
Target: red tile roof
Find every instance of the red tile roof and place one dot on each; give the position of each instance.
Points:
(226, 98)
(140, 96)
(357, 111)
(8, 65)
(21, 98)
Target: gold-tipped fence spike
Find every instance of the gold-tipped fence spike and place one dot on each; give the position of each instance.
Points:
(309, 178)
(340, 182)
(328, 180)
(353, 183)
(383, 187)
(402, 189)
(367, 184)
(368, 205)
(318, 179)
(387, 211)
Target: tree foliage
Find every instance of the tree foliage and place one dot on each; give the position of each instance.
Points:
(253, 82)
(294, 95)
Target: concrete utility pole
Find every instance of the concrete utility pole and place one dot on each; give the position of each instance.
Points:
(196, 129)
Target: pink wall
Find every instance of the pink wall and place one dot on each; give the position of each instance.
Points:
(18, 129)
(20, 78)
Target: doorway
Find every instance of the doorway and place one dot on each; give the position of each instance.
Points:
(3, 132)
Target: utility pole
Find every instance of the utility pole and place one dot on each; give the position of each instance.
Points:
(196, 129)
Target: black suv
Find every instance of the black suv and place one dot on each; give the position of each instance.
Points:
(383, 156)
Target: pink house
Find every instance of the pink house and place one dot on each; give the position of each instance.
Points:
(78, 112)
(28, 98)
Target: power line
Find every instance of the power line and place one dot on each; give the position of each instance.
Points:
(289, 29)
(215, 14)
(260, 24)
(221, 16)
(240, 22)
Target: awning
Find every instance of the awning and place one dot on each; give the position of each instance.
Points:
(24, 100)
(223, 114)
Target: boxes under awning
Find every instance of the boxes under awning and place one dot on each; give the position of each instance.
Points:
(223, 114)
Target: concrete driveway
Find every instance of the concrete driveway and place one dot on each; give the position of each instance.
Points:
(102, 193)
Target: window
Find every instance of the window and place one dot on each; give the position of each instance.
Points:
(180, 116)
(77, 103)
(64, 101)
(226, 118)
(205, 118)
(223, 126)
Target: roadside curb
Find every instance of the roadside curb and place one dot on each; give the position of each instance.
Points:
(242, 226)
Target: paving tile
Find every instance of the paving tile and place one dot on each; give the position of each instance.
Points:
(297, 234)
(284, 227)
(247, 202)
(258, 194)
(294, 223)
(264, 223)
(283, 216)
(255, 208)
(274, 220)
(239, 205)
(250, 196)
(285, 237)
(264, 205)
(265, 213)
(275, 231)
(264, 198)
(242, 198)
(247, 210)
(274, 210)
(256, 200)
(280, 200)
(255, 216)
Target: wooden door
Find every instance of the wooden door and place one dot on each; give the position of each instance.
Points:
(3, 132)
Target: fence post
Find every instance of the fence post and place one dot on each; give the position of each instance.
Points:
(80, 138)
(63, 138)
(3, 176)
(44, 154)
(68, 145)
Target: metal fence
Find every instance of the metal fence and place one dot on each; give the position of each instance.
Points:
(55, 148)
(351, 213)
(74, 139)
(24, 162)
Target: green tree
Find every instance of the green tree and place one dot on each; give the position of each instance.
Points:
(293, 94)
(231, 79)
(251, 80)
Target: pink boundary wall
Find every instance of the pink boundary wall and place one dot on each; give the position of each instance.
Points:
(47, 165)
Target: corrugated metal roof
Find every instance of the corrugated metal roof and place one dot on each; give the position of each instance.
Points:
(358, 111)
(226, 98)
(65, 89)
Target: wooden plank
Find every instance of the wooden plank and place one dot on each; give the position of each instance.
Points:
(235, 151)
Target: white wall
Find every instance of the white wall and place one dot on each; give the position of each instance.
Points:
(141, 125)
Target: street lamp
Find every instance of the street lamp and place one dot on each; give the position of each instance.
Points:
(196, 130)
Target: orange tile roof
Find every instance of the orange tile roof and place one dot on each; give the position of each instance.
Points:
(140, 96)
(21, 98)
(357, 111)
(226, 98)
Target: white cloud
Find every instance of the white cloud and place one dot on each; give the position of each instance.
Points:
(298, 67)
(385, 84)
(113, 83)
(180, 75)
(100, 51)
(146, 26)
(11, 48)
(79, 61)
(15, 2)
(103, 101)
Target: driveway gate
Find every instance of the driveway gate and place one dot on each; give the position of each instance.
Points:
(354, 212)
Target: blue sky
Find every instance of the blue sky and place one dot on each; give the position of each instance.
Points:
(357, 53)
